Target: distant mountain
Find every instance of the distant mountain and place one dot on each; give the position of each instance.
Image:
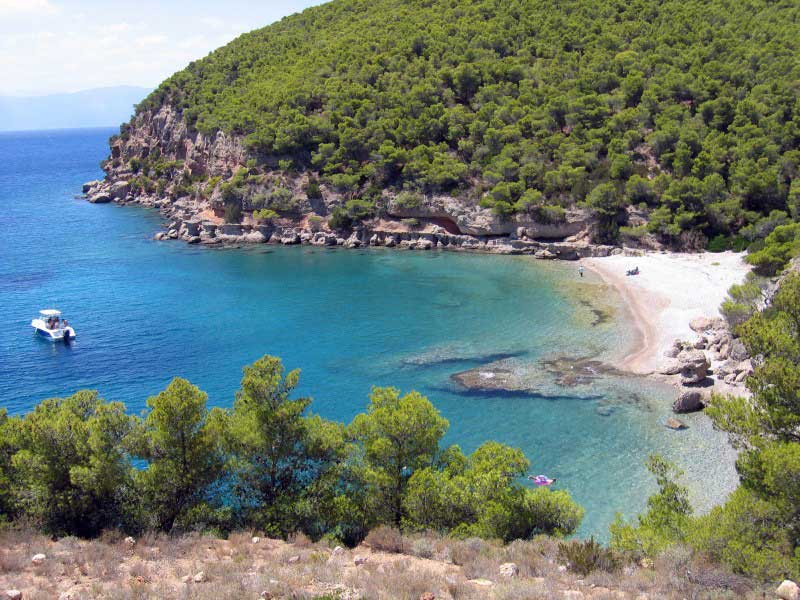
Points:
(97, 107)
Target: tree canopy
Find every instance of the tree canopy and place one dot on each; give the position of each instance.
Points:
(686, 109)
(80, 465)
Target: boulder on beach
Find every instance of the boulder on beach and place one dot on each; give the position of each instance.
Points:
(689, 401)
(693, 366)
(700, 324)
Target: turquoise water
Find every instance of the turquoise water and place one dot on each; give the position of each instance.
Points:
(146, 311)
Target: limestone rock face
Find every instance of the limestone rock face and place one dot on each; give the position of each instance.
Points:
(470, 218)
(689, 401)
(119, 189)
(788, 590)
(90, 185)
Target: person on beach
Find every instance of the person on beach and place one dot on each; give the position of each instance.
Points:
(580, 270)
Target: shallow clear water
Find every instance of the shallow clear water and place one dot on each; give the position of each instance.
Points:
(146, 311)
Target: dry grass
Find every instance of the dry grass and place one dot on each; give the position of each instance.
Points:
(396, 567)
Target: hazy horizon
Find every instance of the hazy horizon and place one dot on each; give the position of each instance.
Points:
(50, 47)
(108, 106)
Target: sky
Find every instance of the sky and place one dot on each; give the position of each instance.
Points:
(57, 46)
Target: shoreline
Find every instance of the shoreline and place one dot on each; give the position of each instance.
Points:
(671, 290)
(644, 339)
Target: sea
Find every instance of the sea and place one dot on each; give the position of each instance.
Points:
(147, 311)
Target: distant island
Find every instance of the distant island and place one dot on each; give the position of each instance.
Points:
(98, 107)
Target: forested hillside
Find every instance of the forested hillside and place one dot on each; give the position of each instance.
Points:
(662, 117)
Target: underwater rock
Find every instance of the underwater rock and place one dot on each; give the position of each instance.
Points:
(675, 424)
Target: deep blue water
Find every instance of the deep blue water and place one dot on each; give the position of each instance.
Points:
(146, 311)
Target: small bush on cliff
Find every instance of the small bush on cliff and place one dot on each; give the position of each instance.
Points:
(313, 189)
(265, 214)
(409, 199)
(360, 209)
(339, 219)
(233, 213)
(550, 214)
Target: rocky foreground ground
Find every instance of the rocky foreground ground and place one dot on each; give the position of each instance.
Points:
(386, 566)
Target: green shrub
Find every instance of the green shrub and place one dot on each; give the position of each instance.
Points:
(315, 222)
(233, 213)
(265, 214)
(340, 219)
(633, 233)
(584, 557)
(385, 539)
(313, 190)
(359, 209)
(407, 199)
(747, 534)
(550, 214)
(779, 248)
(666, 520)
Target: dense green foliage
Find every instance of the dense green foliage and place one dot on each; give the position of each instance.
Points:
(757, 531)
(779, 247)
(665, 521)
(686, 109)
(79, 465)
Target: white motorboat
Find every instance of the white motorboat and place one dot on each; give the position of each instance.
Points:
(50, 325)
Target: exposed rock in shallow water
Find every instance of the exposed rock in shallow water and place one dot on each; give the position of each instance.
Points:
(675, 424)
(569, 371)
(560, 371)
(488, 378)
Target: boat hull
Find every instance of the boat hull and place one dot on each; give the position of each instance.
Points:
(54, 335)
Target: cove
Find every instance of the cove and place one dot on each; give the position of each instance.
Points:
(147, 311)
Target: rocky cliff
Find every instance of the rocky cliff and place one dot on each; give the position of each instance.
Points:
(159, 161)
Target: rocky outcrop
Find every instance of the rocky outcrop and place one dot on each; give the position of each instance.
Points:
(714, 356)
(788, 590)
(689, 401)
(471, 219)
(693, 365)
(162, 137)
